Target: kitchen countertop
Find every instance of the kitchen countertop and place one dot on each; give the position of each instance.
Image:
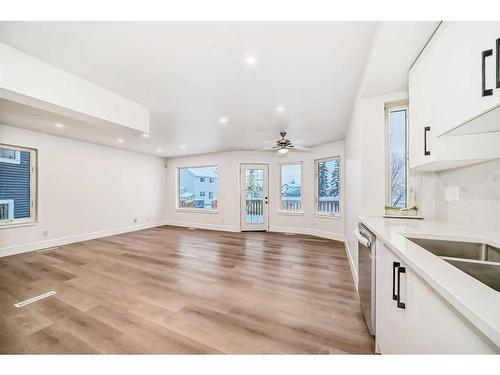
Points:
(477, 302)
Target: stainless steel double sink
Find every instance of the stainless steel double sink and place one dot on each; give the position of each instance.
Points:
(479, 260)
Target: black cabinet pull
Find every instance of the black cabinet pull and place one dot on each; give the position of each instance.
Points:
(401, 270)
(498, 63)
(484, 55)
(394, 266)
(427, 129)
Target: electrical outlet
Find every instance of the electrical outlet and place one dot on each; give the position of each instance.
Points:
(135, 220)
(45, 233)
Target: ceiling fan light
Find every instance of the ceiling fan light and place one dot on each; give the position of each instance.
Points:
(283, 150)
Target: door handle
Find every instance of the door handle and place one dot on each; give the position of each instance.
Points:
(394, 266)
(401, 270)
(427, 129)
(498, 62)
(484, 55)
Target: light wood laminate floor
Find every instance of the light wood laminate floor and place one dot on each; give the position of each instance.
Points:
(175, 290)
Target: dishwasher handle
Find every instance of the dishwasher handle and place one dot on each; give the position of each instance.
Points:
(362, 239)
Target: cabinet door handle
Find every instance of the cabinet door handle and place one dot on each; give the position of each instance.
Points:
(427, 129)
(498, 62)
(484, 55)
(394, 266)
(401, 270)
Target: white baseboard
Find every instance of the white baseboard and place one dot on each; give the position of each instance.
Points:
(311, 232)
(354, 272)
(17, 249)
(224, 228)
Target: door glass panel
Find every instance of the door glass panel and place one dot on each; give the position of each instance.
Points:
(254, 194)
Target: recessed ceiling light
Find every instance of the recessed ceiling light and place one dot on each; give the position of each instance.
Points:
(119, 140)
(280, 109)
(251, 60)
(223, 120)
(59, 125)
(145, 135)
(158, 150)
(182, 147)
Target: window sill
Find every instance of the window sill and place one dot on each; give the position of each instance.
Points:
(291, 213)
(398, 216)
(18, 225)
(197, 210)
(328, 216)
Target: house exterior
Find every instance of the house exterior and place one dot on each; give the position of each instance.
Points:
(14, 184)
(198, 187)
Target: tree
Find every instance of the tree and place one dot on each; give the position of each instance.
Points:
(323, 184)
(334, 181)
(398, 181)
(254, 189)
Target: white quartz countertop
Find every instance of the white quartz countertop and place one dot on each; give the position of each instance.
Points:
(477, 302)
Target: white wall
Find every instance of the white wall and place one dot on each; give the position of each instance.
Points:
(365, 167)
(86, 191)
(479, 203)
(228, 215)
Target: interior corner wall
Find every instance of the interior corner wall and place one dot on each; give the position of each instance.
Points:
(365, 166)
(85, 191)
(228, 212)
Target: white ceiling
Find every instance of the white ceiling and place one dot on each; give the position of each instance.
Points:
(192, 73)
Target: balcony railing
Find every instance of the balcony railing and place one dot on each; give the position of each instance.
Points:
(254, 207)
(328, 205)
(291, 204)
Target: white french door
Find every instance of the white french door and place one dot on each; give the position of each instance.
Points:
(254, 194)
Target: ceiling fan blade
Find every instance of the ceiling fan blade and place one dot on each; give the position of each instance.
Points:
(301, 149)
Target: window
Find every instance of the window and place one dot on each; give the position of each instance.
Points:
(192, 191)
(17, 185)
(291, 186)
(10, 156)
(328, 186)
(398, 188)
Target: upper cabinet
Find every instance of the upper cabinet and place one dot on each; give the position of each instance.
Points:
(454, 93)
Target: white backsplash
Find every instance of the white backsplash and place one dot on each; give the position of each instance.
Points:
(478, 201)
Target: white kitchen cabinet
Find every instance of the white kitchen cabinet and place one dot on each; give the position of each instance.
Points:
(427, 323)
(445, 90)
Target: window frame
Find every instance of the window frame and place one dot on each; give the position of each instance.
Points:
(410, 209)
(281, 210)
(329, 215)
(6, 223)
(177, 187)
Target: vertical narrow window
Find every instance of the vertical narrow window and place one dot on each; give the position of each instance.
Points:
(291, 186)
(193, 185)
(327, 195)
(397, 157)
(17, 185)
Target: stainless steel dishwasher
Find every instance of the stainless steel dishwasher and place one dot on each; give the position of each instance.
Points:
(366, 268)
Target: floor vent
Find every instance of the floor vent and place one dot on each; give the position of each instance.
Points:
(34, 299)
(47, 249)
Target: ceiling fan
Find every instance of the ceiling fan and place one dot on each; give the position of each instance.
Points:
(284, 145)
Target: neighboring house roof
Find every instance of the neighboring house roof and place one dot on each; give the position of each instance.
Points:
(204, 172)
(186, 195)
